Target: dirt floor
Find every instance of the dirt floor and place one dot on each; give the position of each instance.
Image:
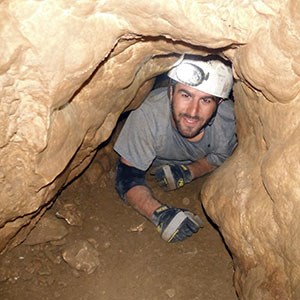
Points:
(103, 249)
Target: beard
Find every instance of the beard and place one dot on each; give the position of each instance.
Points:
(185, 130)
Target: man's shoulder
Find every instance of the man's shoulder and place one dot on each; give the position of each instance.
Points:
(154, 109)
(226, 110)
(156, 97)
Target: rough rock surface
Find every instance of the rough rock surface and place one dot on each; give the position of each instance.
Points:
(68, 69)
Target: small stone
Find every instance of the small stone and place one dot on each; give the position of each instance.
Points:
(70, 213)
(107, 245)
(49, 228)
(171, 293)
(75, 273)
(186, 201)
(82, 256)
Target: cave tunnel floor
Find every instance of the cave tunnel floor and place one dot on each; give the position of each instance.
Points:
(128, 259)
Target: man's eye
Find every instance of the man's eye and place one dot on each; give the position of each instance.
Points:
(184, 95)
(207, 100)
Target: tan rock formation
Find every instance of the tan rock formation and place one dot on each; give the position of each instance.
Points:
(69, 68)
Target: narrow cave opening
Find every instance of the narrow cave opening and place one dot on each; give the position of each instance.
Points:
(68, 70)
(91, 245)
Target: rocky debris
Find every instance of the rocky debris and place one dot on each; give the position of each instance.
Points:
(101, 170)
(33, 263)
(82, 256)
(171, 293)
(186, 201)
(48, 229)
(70, 213)
(138, 228)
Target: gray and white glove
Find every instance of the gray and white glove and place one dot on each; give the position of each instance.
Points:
(171, 177)
(175, 224)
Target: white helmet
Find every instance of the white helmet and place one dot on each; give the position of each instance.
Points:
(212, 77)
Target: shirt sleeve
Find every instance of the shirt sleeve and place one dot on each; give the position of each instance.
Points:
(223, 135)
(136, 142)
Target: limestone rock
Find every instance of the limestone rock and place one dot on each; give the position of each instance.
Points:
(82, 256)
(70, 213)
(48, 229)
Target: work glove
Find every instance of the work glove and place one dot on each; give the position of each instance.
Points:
(171, 177)
(175, 224)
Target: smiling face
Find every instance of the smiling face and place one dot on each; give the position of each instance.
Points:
(191, 110)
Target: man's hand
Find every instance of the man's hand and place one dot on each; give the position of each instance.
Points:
(175, 224)
(171, 177)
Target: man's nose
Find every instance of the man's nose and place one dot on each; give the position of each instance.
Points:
(194, 108)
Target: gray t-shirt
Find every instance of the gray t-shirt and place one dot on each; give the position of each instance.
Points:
(149, 137)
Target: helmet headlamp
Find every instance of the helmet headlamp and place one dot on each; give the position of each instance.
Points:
(190, 74)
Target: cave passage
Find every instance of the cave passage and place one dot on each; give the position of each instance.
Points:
(90, 245)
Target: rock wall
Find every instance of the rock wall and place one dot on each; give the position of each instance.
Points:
(68, 69)
(257, 204)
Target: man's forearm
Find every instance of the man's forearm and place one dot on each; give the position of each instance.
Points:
(173, 224)
(200, 168)
(141, 199)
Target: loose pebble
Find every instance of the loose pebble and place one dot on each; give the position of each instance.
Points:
(186, 201)
(171, 293)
